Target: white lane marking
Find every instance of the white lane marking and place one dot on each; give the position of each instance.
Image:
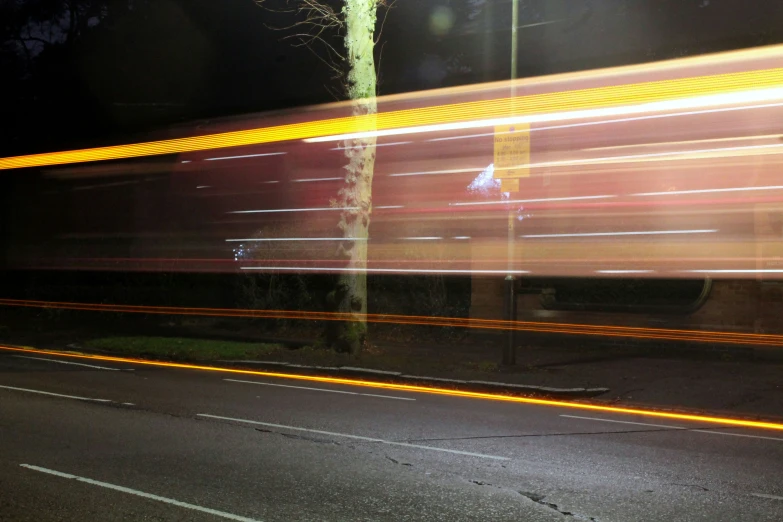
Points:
(128, 404)
(355, 437)
(626, 422)
(69, 362)
(150, 496)
(54, 394)
(708, 432)
(764, 495)
(321, 389)
(738, 435)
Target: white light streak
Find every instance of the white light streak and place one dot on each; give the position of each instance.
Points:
(297, 239)
(636, 233)
(708, 191)
(712, 100)
(386, 207)
(542, 200)
(386, 270)
(688, 142)
(624, 271)
(431, 172)
(246, 156)
(276, 210)
(735, 271)
(203, 186)
(306, 180)
(623, 120)
(270, 182)
(421, 238)
(461, 237)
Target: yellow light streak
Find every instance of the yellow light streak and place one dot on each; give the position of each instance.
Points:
(726, 421)
(729, 88)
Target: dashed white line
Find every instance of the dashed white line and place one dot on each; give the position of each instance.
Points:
(142, 494)
(626, 422)
(54, 394)
(69, 362)
(321, 389)
(708, 432)
(355, 437)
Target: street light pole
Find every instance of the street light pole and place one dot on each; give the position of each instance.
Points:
(509, 295)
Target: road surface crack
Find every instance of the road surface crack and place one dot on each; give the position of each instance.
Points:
(539, 499)
(397, 461)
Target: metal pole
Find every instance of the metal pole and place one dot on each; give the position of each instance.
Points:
(509, 295)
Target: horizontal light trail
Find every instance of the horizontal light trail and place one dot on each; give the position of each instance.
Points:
(655, 96)
(138, 493)
(709, 191)
(354, 437)
(639, 233)
(624, 271)
(246, 156)
(250, 239)
(485, 324)
(424, 389)
(276, 210)
(385, 270)
(309, 180)
(541, 200)
(609, 110)
(687, 142)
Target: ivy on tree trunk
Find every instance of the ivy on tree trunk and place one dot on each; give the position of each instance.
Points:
(355, 198)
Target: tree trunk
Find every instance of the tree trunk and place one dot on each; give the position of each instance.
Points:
(355, 198)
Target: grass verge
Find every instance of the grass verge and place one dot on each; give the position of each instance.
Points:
(177, 348)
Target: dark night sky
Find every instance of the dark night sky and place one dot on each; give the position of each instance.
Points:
(168, 62)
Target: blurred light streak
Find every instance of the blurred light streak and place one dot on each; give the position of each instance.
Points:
(384, 207)
(433, 172)
(307, 180)
(421, 238)
(298, 239)
(385, 270)
(767, 425)
(754, 86)
(687, 142)
(712, 100)
(624, 271)
(268, 182)
(246, 156)
(735, 271)
(272, 211)
(461, 237)
(377, 145)
(203, 186)
(543, 200)
(634, 332)
(708, 191)
(636, 233)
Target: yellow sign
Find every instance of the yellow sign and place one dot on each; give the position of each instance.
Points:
(512, 151)
(509, 185)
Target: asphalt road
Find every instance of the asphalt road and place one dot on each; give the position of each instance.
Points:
(125, 442)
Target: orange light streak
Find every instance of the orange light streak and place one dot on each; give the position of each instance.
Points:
(767, 425)
(633, 332)
(536, 104)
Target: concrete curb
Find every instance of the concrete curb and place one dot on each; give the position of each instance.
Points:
(401, 378)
